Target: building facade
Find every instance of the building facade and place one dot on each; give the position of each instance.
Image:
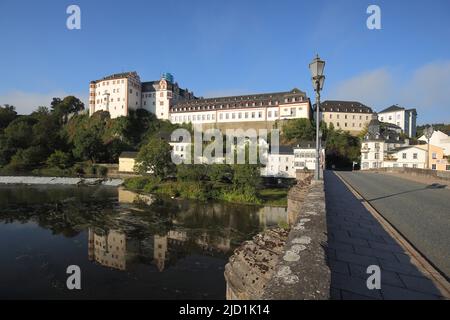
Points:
(439, 139)
(268, 107)
(122, 92)
(437, 160)
(379, 145)
(351, 116)
(289, 159)
(404, 118)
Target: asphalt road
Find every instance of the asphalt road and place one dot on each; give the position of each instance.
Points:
(420, 212)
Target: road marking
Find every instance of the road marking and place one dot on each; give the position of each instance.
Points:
(416, 257)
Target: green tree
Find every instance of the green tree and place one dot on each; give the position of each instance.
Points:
(191, 172)
(7, 115)
(59, 159)
(88, 145)
(155, 157)
(247, 177)
(63, 108)
(220, 173)
(298, 129)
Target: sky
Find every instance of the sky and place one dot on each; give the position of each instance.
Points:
(219, 48)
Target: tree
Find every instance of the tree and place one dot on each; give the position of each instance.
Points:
(191, 172)
(155, 157)
(59, 159)
(298, 129)
(63, 108)
(220, 172)
(7, 115)
(88, 146)
(342, 148)
(247, 177)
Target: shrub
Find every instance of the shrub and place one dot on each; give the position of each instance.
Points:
(102, 171)
(137, 183)
(59, 159)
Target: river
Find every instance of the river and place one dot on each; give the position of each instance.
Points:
(127, 246)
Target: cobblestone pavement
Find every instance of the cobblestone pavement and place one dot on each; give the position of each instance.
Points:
(357, 240)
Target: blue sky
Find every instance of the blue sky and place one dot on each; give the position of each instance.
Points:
(231, 47)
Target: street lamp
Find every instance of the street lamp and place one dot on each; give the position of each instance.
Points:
(428, 134)
(316, 67)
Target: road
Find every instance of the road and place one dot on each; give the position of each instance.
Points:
(420, 212)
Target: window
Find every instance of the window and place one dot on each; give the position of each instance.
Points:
(433, 155)
(269, 114)
(331, 116)
(433, 166)
(405, 165)
(447, 167)
(403, 155)
(414, 165)
(414, 155)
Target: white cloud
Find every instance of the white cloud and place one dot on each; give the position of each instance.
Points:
(27, 102)
(374, 88)
(426, 89)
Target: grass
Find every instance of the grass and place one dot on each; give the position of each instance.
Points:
(206, 190)
(274, 196)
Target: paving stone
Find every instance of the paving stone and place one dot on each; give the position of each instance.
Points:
(396, 248)
(356, 258)
(339, 266)
(396, 293)
(366, 235)
(387, 277)
(401, 268)
(335, 294)
(421, 284)
(341, 246)
(346, 295)
(353, 285)
(381, 254)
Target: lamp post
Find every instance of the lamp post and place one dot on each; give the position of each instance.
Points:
(316, 67)
(428, 134)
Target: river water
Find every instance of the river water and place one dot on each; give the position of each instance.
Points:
(127, 246)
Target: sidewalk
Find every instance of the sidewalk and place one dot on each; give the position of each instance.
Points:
(357, 240)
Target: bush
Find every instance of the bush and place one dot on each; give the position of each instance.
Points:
(78, 169)
(137, 183)
(191, 172)
(102, 171)
(59, 159)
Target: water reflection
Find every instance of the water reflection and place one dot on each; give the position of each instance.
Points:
(162, 248)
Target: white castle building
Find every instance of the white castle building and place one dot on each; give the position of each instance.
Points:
(122, 92)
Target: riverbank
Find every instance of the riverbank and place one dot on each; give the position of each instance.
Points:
(206, 190)
(31, 180)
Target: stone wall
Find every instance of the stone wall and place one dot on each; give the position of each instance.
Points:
(278, 264)
(444, 175)
(302, 272)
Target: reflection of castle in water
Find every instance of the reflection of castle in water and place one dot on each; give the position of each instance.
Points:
(118, 249)
(115, 250)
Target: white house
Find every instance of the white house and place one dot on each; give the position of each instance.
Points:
(288, 160)
(280, 164)
(440, 140)
(378, 145)
(405, 119)
(406, 157)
